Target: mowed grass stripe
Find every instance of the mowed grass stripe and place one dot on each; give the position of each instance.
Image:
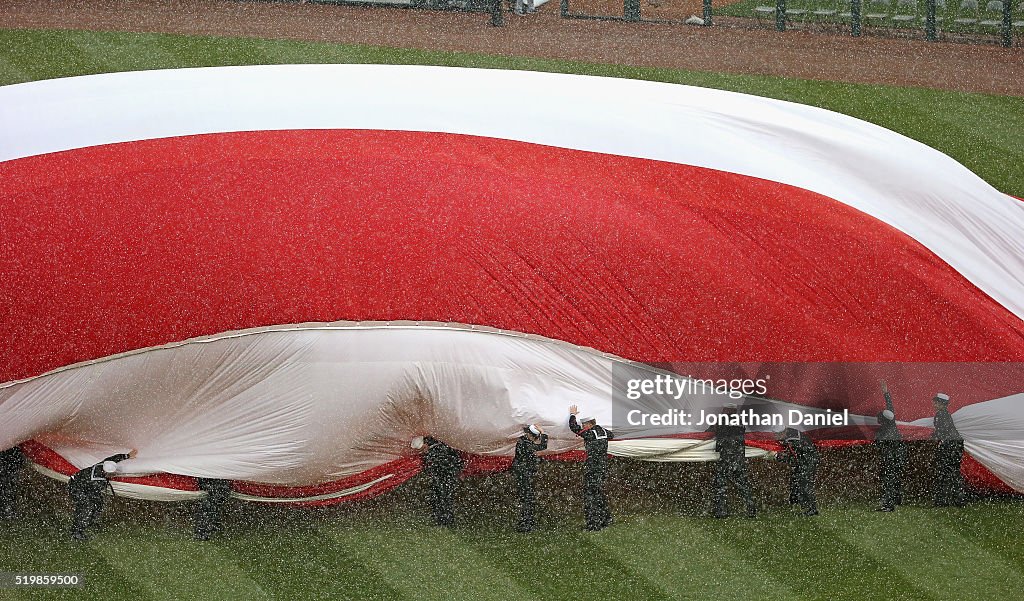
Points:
(206, 51)
(984, 132)
(171, 565)
(48, 55)
(423, 562)
(991, 525)
(560, 564)
(43, 550)
(114, 54)
(683, 559)
(987, 131)
(305, 564)
(807, 556)
(39, 542)
(298, 555)
(928, 553)
(8, 66)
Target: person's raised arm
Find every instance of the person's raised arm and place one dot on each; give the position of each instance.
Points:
(573, 424)
(888, 398)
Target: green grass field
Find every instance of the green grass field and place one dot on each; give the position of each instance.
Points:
(385, 549)
(661, 547)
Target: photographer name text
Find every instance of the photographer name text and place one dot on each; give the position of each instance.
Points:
(793, 417)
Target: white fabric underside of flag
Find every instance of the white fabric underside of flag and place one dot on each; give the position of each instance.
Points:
(313, 403)
(993, 433)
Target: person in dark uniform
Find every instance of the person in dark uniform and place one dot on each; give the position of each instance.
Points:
(892, 456)
(211, 506)
(595, 470)
(949, 481)
(442, 464)
(11, 462)
(86, 488)
(731, 467)
(524, 469)
(798, 451)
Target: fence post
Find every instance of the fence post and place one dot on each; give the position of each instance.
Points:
(707, 13)
(855, 18)
(1007, 23)
(497, 15)
(929, 21)
(780, 15)
(631, 10)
